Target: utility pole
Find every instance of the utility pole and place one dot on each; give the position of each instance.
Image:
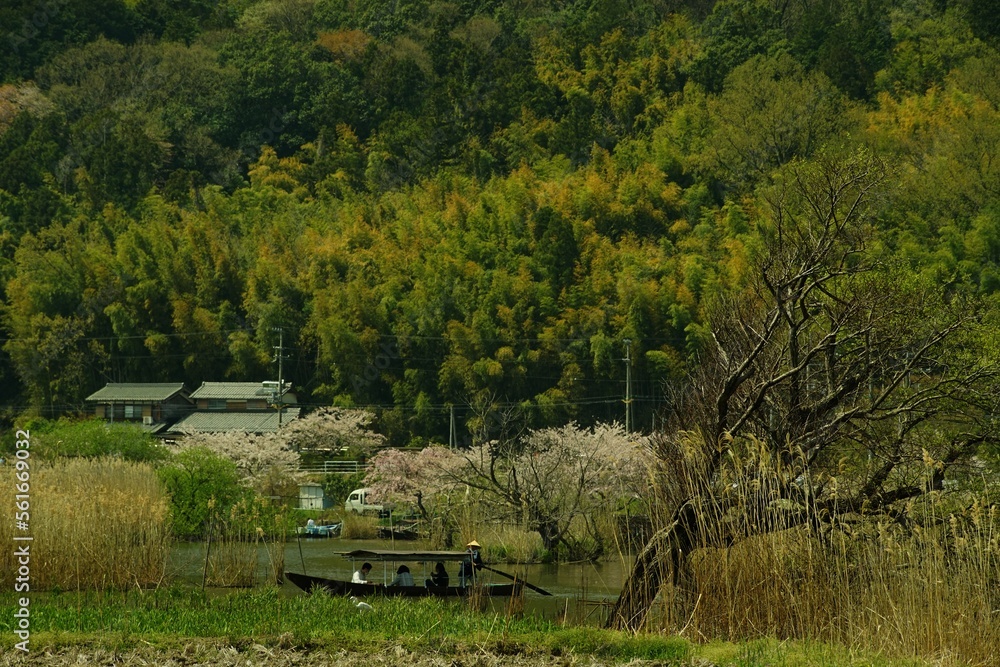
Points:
(280, 399)
(451, 429)
(628, 386)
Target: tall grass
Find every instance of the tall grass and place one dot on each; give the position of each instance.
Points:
(501, 542)
(930, 593)
(597, 534)
(928, 586)
(510, 544)
(233, 542)
(96, 524)
(935, 591)
(359, 527)
(468, 523)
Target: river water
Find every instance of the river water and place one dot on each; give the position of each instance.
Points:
(581, 591)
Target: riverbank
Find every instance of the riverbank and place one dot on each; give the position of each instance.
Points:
(265, 627)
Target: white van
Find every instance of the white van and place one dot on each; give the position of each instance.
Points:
(357, 502)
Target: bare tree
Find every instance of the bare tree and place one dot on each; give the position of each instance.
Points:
(828, 382)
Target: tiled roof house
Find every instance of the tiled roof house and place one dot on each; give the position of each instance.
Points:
(155, 405)
(237, 406)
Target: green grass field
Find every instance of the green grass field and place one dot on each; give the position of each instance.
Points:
(170, 617)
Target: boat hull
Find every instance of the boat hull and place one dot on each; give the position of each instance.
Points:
(339, 587)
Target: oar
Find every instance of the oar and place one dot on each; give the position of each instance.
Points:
(513, 578)
(298, 538)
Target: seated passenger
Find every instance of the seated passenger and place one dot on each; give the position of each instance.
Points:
(403, 577)
(439, 577)
(361, 576)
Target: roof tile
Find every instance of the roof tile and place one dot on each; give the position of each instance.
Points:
(237, 391)
(137, 391)
(220, 422)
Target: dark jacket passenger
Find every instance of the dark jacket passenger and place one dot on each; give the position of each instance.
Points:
(439, 577)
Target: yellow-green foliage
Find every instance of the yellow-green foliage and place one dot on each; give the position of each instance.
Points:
(96, 524)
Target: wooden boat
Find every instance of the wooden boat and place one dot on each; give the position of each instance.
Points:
(310, 583)
(338, 587)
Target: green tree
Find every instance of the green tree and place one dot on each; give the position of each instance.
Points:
(201, 484)
(770, 111)
(52, 311)
(849, 41)
(734, 33)
(34, 32)
(926, 49)
(29, 149)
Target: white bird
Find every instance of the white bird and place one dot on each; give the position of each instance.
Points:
(361, 606)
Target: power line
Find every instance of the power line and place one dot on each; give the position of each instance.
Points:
(436, 407)
(176, 334)
(535, 339)
(473, 339)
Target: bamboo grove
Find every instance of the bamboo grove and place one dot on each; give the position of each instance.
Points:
(470, 205)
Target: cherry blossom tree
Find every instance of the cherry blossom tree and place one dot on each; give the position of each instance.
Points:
(333, 429)
(552, 477)
(255, 456)
(263, 458)
(426, 477)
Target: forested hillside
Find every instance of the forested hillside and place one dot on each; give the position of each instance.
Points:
(473, 204)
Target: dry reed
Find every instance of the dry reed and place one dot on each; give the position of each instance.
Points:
(96, 524)
(931, 593)
(359, 527)
(237, 542)
(928, 586)
(468, 521)
(510, 544)
(502, 542)
(439, 532)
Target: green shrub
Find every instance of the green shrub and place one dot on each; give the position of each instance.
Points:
(337, 487)
(94, 439)
(193, 478)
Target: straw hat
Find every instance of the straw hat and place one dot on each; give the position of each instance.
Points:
(472, 544)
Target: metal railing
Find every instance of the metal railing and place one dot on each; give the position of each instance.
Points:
(328, 467)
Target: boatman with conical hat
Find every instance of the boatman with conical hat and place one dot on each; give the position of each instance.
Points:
(473, 561)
